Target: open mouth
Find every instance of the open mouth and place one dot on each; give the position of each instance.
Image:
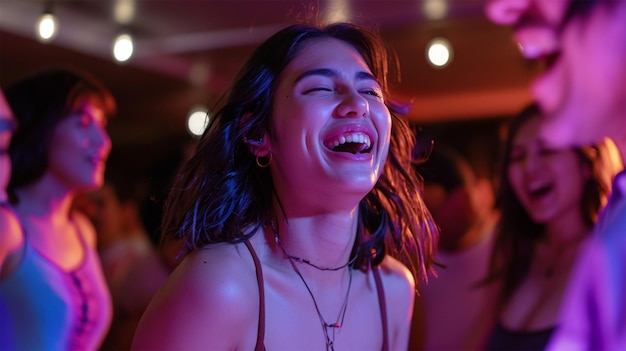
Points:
(540, 191)
(354, 143)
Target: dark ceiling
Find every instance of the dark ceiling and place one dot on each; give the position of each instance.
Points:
(187, 52)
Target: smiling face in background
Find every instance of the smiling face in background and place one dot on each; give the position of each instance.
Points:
(548, 182)
(80, 147)
(584, 86)
(7, 127)
(331, 125)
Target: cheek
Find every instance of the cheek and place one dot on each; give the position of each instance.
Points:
(571, 172)
(65, 147)
(382, 122)
(597, 49)
(381, 116)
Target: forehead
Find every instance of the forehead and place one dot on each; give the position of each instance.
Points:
(528, 131)
(327, 52)
(90, 104)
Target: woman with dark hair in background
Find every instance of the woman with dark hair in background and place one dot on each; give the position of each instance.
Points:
(549, 200)
(298, 208)
(53, 294)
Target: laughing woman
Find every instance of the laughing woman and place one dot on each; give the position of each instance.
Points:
(550, 199)
(299, 210)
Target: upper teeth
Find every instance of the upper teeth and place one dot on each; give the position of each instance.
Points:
(359, 138)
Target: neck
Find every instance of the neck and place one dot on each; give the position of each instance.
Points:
(42, 201)
(566, 229)
(324, 241)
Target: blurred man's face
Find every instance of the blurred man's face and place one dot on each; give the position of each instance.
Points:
(583, 89)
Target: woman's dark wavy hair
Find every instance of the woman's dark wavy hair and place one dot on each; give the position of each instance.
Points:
(220, 193)
(516, 233)
(40, 101)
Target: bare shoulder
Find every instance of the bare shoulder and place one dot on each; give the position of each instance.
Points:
(399, 288)
(85, 228)
(12, 239)
(396, 276)
(211, 298)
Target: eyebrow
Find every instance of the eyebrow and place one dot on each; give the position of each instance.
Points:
(332, 73)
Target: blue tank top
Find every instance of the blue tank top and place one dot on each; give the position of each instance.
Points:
(44, 307)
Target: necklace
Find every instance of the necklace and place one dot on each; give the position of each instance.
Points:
(330, 337)
(302, 260)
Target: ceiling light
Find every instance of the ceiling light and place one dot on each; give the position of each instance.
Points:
(47, 27)
(197, 121)
(337, 11)
(123, 47)
(435, 9)
(439, 52)
(124, 11)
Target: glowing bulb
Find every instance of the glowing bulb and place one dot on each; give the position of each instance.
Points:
(47, 27)
(124, 11)
(435, 9)
(337, 11)
(197, 121)
(439, 52)
(123, 47)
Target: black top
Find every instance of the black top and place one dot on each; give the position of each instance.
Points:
(503, 339)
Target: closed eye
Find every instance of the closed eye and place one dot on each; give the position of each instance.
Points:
(311, 90)
(372, 92)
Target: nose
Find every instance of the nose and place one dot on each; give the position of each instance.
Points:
(506, 12)
(100, 138)
(353, 105)
(532, 162)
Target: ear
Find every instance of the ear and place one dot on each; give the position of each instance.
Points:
(259, 147)
(258, 143)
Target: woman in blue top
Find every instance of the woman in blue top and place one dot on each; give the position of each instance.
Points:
(53, 294)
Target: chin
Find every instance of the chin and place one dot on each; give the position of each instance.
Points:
(541, 218)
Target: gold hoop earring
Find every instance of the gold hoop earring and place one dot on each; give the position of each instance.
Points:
(264, 165)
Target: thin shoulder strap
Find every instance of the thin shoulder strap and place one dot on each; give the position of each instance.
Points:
(383, 306)
(259, 278)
